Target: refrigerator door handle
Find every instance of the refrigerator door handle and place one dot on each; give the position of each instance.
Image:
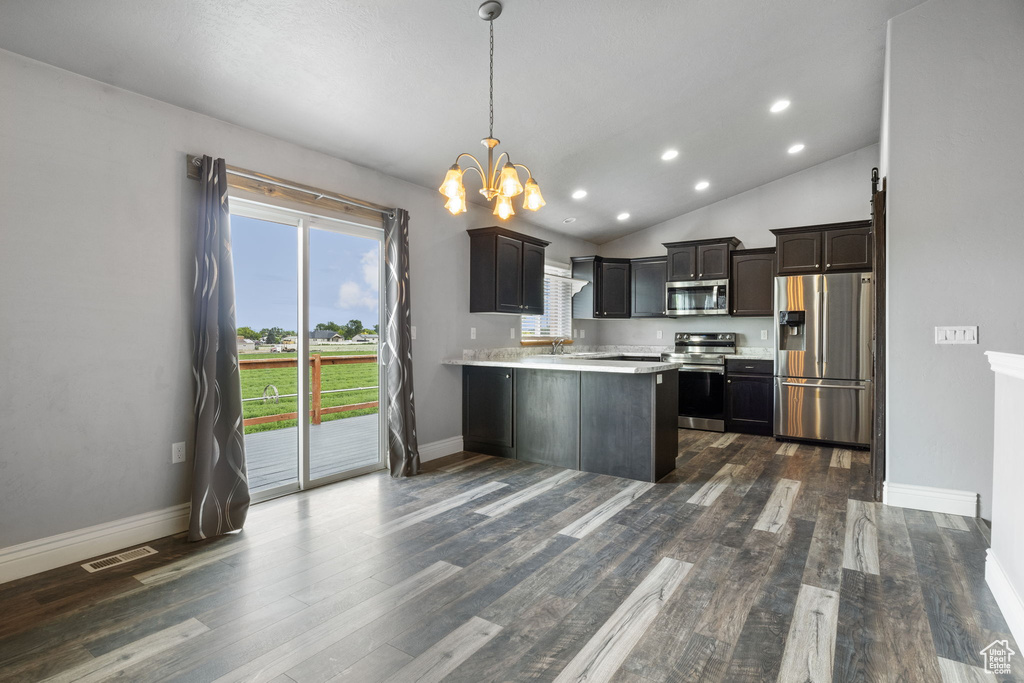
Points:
(824, 333)
(824, 386)
(821, 351)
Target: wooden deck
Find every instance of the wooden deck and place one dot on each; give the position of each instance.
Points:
(334, 446)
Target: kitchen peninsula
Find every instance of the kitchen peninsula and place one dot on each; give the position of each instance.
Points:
(591, 412)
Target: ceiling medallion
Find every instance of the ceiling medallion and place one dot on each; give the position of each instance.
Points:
(500, 182)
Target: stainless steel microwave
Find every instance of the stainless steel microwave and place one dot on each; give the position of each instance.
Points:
(697, 297)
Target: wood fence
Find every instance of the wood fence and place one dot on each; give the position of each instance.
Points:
(316, 361)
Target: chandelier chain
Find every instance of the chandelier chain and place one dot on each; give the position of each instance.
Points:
(491, 129)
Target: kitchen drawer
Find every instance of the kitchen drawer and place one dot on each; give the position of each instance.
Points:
(749, 366)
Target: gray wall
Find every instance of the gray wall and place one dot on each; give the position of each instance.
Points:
(956, 232)
(836, 190)
(95, 292)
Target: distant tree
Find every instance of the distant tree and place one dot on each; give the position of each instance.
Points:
(350, 330)
(376, 329)
(272, 335)
(247, 333)
(330, 325)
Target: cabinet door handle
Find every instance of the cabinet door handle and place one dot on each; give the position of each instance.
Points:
(828, 265)
(728, 381)
(508, 376)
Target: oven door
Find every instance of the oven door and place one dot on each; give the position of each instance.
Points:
(701, 297)
(702, 397)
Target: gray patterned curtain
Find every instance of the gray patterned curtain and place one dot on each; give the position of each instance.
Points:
(220, 488)
(396, 349)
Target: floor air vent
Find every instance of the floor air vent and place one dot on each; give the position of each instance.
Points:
(120, 558)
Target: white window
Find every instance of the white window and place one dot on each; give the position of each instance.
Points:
(557, 318)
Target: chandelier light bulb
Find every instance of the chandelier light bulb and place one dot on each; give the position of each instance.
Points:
(508, 182)
(457, 204)
(452, 185)
(532, 200)
(503, 207)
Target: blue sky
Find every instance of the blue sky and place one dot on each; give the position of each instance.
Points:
(342, 277)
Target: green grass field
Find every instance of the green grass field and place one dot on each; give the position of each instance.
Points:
(286, 380)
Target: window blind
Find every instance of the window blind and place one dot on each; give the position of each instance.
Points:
(557, 318)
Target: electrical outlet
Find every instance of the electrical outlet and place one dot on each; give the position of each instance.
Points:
(764, 335)
(413, 332)
(956, 335)
(472, 333)
(177, 452)
(512, 332)
(583, 334)
(659, 379)
(660, 333)
(575, 334)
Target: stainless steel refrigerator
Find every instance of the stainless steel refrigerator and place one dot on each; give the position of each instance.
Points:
(823, 357)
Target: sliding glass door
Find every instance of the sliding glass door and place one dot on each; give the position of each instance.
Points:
(308, 309)
(344, 375)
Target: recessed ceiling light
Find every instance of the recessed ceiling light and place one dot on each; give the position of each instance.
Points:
(702, 185)
(669, 154)
(579, 194)
(570, 219)
(623, 216)
(779, 106)
(798, 147)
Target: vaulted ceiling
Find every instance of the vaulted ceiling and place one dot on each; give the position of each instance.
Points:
(587, 93)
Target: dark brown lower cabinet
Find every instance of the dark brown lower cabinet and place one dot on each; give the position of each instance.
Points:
(488, 406)
(607, 423)
(749, 396)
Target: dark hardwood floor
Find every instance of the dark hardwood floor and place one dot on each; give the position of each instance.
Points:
(752, 561)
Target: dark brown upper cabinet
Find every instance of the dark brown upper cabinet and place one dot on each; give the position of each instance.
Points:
(848, 249)
(751, 287)
(506, 272)
(608, 293)
(700, 259)
(829, 248)
(682, 263)
(648, 287)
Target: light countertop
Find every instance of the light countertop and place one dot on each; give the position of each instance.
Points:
(577, 364)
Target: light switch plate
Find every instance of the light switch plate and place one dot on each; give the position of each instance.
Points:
(583, 334)
(659, 334)
(957, 335)
(764, 335)
(512, 332)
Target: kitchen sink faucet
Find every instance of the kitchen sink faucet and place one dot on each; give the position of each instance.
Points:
(556, 346)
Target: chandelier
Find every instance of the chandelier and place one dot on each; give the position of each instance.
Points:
(500, 181)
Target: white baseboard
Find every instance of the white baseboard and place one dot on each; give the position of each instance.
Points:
(1007, 597)
(949, 501)
(439, 449)
(29, 558)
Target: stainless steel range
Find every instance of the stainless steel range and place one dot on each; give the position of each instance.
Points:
(702, 378)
